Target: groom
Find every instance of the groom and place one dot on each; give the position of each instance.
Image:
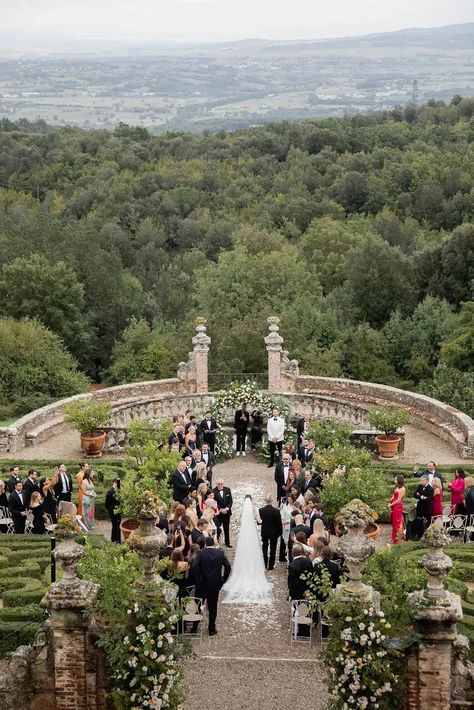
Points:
(272, 530)
(207, 567)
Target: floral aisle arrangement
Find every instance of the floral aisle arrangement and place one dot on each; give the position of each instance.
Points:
(224, 448)
(250, 392)
(364, 671)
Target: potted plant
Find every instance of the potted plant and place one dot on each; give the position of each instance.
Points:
(88, 417)
(388, 420)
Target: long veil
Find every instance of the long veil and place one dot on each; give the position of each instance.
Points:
(247, 583)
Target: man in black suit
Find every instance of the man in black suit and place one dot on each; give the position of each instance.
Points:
(272, 530)
(209, 459)
(30, 486)
(112, 504)
(310, 481)
(317, 512)
(281, 475)
(207, 568)
(424, 507)
(63, 488)
(305, 451)
(296, 569)
(331, 568)
(17, 508)
(208, 428)
(176, 437)
(302, 428)
(14, 479)
(241, 422)
(181, 482)
(223, 498)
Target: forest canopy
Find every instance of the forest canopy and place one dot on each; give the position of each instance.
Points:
(357, 232)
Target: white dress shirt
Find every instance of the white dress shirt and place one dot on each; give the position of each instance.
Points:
(276, 428)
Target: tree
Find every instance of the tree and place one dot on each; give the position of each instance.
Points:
(458, 348)
(353, 191)
(35, 367)
(30, 286)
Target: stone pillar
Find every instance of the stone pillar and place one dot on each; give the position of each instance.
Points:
(435, 612)
(201, 342)
(273, 342)
(67, 601)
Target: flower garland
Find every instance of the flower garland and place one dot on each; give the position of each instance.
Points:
(250, 392)
(361, 665)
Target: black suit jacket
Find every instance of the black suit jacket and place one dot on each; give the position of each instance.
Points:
(271, 522)
(180, 487)
(314, 483)
(333, 570)
(300, 429)
(15, 505)
(238, 422)
(424, 496)
(297, 586)
(11, 483)
(305, 455)
(324, 519)
(223, 502)
(58, 488)
(204, 428)
(111, 501)
(207, 568)
(29, 487)
(279, 475)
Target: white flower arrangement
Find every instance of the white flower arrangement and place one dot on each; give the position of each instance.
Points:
(250, 392)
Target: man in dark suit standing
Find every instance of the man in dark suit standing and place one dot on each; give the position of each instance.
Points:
(17, 508)
(181, 482)
(30, 486)
(310, 481)
(208, 428)
(176, 437)
(112, 504)
(241, 422)
(281, 475)
(14, 479)
(63, 488)
(207, 568)
(302, 428)
(296, 569)
(271, 530)
(223, 498)
(305, 451)
(209, 459)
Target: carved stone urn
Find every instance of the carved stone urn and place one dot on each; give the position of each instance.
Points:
(356, 548)
(147, 540)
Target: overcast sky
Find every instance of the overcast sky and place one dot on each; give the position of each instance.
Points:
(224, 19)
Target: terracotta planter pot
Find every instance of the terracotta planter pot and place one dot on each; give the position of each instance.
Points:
(92, 443)
(387, 445)
(128, 526)
(372, 530)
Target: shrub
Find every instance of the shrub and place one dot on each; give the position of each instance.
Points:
(339, 489)
(85, 415)
(329, 433)
(387, 419)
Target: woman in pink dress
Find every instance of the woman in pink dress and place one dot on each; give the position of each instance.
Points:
(437, 508)
(395, 507)
(456, 486)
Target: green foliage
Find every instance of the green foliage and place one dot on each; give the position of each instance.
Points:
(458, 350)
(365, 484)
(453, 387)
(329, 433)
(34, 367)
(85, 416)
(387, 419)
(340, 455)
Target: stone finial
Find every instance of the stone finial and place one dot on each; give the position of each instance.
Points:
(273, 340)
(147, 540)
(201, 340)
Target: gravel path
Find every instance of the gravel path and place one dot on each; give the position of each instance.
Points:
(251, 662)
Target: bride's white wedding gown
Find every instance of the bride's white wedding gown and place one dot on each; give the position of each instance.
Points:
(247, 583)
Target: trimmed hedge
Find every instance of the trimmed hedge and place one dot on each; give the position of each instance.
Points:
(14, 634)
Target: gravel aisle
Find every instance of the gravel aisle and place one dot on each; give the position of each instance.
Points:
(251, 663)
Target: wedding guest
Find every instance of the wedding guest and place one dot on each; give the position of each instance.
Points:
(79, 480)
(178, 570)
(332, 570)
(63, 487)
(190, 440)
(297, 525)
(208, 428)
(179, 512)
(17, 508)
(469, 496)
(39, 517)
(199, 533)
(286, 487)
(223, 498)
(208, 458)
(290, 449)
(241, 422)
(168, 549)
(88, 500)
(49, 501)
(317, 512)
(207, 567)
(210, 514)
(190, 504)
(424, 506)
(271, 531)
(285, 513)
(14, 479)
(395, 507)
(200, 475)
(276, 433)
(437, 507)
(319, 531)
(256, 429)
(298, 567)
(176, 437)
(430, 471)
(201, 495)
(318, 547)
(302, 540)
(282, 471)
(3, 495)
(456, 486)
(30, 486)
(112, 506)
(181, 482)
(296, 493)
(302, 428)
(310, 482)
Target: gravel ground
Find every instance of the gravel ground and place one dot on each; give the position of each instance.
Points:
(251, 662)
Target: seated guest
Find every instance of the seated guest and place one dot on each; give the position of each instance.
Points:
(299, 566)
(17, 508)
(39, 517)
(178, 571)
(332, 568)
(3, 495)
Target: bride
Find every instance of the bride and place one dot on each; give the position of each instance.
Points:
(247, 583)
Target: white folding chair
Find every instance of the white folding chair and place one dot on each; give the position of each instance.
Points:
(50, 526)
(193, 615)
(6, 520)
(81, 523)
(324, 623)
(29, 523)
(447, 514)
(301, 616)
(458, 526)
(67, 508)
(469, 531)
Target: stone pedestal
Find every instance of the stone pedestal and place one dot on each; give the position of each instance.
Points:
(201, 343)
(273, 342)
(67, 602)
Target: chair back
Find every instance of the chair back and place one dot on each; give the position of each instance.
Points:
(458, 522)
(67, 508)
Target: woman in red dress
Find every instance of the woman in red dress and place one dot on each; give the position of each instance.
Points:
(395, 507)
(456, 486)
(437, 497)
